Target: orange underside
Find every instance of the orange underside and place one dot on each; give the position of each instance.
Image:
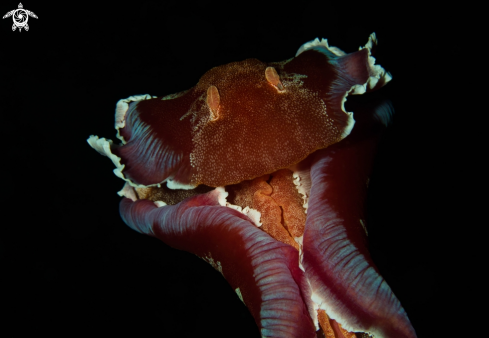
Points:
(331, 328)
(277, 199)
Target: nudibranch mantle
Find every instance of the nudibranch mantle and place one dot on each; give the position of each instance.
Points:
(266, 175)
(202, 135)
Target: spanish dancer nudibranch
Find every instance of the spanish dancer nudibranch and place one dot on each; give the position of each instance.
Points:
(260, 171)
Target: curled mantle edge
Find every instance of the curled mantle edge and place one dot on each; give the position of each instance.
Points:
(265, 271)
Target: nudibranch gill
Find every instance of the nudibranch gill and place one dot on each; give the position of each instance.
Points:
(260, 171)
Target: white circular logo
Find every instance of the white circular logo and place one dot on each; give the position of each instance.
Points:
(20, 17)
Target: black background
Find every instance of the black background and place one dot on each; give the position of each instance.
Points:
(71, 265)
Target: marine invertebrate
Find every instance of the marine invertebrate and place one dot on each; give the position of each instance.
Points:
(260, 171)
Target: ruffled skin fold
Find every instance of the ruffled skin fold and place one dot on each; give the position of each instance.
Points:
(344, 280)
(265, 271)
(153, 151)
